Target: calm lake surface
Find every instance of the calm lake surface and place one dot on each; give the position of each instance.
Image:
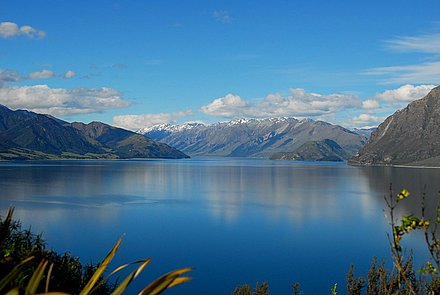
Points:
(235, 221)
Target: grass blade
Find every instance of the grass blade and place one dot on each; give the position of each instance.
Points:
(164, 282)
(49, 274)
(54, 293)
(179, 280)
(100, 270)
(35, 280)
(133, 275)
(119, 268)
(4, 229)
(13, 273)
(13, 292)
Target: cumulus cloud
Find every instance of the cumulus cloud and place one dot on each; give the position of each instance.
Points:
(370, 104)
(405, 93)
(298, 103)
(365, 121)
(60, 101)
(387, 102)
(136, 122)
(10, 29)
(227, 106)
(43, 74)
(69, 74)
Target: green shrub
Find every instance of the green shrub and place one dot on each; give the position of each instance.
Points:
(27, 266)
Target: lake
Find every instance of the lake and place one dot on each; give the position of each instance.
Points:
(235, 221)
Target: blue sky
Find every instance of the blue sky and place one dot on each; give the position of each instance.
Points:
(138, 63)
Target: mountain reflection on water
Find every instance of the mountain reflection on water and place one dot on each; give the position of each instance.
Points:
(263, 220)
(227, 186)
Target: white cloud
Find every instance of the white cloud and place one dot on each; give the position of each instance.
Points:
(222, 16)
(31, 32)
(10, 29)
(43, 74)
(370, 104)
(365, 121)
(297, 103)
(417, 73)
(429, 43)
(9, 76)
(428, 72)
(405, 93)
(69, 74)
(136, 122)
(388, 102)
(60, 101)
(14, 76)
(227, 106)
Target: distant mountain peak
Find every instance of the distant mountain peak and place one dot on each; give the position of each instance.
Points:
(171, 127)
(252, 137)
(234, 122)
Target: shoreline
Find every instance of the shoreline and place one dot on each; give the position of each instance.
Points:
(394, 165)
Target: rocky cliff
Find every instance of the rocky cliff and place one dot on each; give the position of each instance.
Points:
(408, 137)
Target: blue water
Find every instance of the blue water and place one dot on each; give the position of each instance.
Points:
(235, 221)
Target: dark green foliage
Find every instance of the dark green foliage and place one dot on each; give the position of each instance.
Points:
(242, 290)
(381, 281)
(402, 279)
(434, 286)
(296, 289)
(16, 244)
(374, 276)
(262, 289)
(354, 285)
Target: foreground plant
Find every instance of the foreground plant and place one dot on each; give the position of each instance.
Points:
(262, 289)
(409, 223)
(33, 274)
(403, 278)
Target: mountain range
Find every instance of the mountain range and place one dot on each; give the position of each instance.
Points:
(28, 135)
(322, 150)
(255, 137)
(410, 136)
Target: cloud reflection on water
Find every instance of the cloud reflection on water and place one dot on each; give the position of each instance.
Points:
(238, 209)
(302, 191)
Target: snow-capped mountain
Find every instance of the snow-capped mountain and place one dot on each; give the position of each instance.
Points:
(252, 137)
